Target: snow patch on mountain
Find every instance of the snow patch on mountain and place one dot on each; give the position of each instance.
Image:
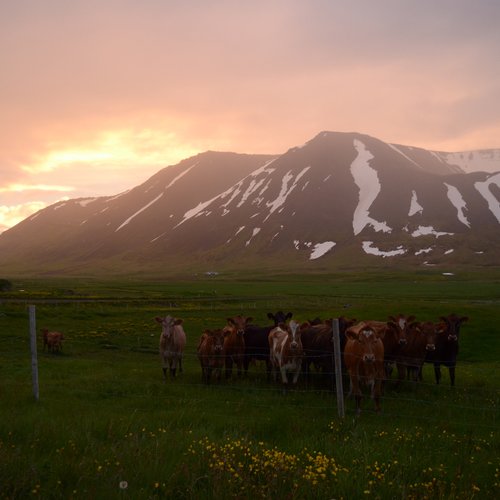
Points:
(415, 207)
(138, 212)
(371, 250)
(255, 232)
(458, 202)
(182, 174)
(285, 191)
(321, 249)
(392, 146)
(429, 230)
(475, 161)
(366, 179)
(484, 190)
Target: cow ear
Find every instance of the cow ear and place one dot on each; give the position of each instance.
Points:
(463, 319)
(270, 315)
(442, 318)
(230, 321)
(158, 319)
(392, 318)
(289, 315)
(249, 319)
(350, 334)
(178, 322)
(380, 334)
(411, 318)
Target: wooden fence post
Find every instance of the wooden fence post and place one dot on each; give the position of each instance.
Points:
(34, 357)
(338, 367)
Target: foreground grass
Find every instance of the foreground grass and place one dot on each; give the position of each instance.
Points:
(107, 426)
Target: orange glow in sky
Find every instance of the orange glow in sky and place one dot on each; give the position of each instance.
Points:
(96, 97)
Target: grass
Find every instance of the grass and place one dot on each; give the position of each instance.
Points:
(107, 426)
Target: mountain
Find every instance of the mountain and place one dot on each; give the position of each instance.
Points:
(342, 200)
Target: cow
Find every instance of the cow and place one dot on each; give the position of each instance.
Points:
(364, 360)
(421, 339)
(447, 346)
(257, 340)
(286, 353)
(395, 339)
(234, 343)
(52, 340)
(172, 343)
(317, 342)
(210, 354)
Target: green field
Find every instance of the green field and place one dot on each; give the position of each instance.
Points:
(107, 426)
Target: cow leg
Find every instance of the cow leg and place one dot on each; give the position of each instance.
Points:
(229, 367)
(451, 369)
(180, 365)
(284, 378)
(377, 389)
(164, 373)
(437, 372)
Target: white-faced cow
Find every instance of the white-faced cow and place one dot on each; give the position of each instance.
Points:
(448, 331)
(210, 354)
(286, 353)
(257, 340)
(172, 343)
(364, 360)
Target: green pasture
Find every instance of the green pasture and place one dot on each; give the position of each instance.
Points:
(107, 426)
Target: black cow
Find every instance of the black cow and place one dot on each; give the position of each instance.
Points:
(446, 346)
(317, 342)
(257, 340)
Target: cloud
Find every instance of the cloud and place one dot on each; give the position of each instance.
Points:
(12, 215)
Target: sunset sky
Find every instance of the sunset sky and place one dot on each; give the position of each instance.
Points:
(98, 95)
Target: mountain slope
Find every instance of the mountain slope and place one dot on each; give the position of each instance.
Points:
(339, 200)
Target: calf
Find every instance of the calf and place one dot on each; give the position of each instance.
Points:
(364, 360)
(234, 343)
(421, 341)
(257, 340)
(52, 340)
(285, 346)
(172, 343)
(447, 346)
(210, 354)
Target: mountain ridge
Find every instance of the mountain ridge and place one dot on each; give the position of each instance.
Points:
(340, 199)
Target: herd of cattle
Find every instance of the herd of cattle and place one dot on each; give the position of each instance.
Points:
(369, 349)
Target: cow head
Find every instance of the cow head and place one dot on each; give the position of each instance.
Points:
(452, 324)
(238, 324)
(280, 317)
(367, 339)
(398, 327)
(429, 331)
(167, 323)
(294, 334)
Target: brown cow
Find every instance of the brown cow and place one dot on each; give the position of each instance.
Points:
(234, 343)
(421, 341)
(285, 346)
(172, 343)
(364, 360)
(394, 339)
(52, 340)
(210, 354)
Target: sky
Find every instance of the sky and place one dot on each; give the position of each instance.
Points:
(98, 95)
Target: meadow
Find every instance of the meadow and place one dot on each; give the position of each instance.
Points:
(106, 425)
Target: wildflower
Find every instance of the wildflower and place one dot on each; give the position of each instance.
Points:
(123, 485)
